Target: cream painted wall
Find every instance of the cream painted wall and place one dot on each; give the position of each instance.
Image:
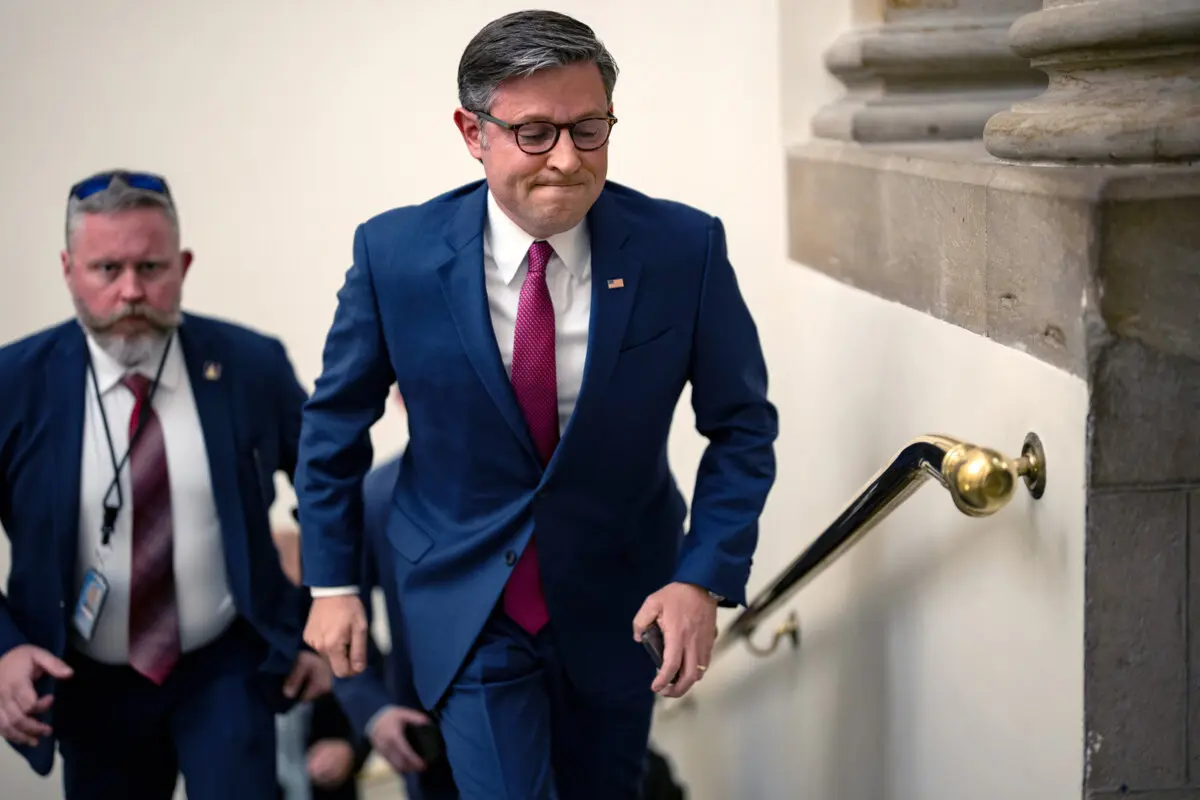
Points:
(942, 660)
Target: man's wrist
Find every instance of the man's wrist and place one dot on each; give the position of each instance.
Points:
(374, 719)
(716, 598)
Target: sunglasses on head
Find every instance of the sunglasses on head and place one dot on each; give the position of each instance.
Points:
(135, 180)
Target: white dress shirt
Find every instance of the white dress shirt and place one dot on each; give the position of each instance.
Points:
(202, 593)
(569, 279)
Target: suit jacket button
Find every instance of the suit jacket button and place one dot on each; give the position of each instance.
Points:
(510, 558)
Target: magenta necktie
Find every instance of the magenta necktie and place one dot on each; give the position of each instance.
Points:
(153, 616)
(535, 382)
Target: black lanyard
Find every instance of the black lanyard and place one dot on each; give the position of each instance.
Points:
(110, 510)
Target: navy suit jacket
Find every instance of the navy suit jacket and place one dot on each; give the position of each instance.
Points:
(250, 416)
(666, 312)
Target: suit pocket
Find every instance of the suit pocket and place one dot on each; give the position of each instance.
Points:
(410, 539)
(642, 341)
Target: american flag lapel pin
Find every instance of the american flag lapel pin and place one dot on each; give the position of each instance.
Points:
(616, 283)
(212, 371)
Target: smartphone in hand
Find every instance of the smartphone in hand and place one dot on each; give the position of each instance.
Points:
(426, 741)
(652, 640)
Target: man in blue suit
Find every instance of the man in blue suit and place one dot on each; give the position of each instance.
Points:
(381, 701)
(147, 627)
(541, 326)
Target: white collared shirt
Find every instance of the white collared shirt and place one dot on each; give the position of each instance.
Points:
(201, 587)
(569, 279)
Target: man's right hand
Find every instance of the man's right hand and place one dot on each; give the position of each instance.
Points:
(388, 739)
(19, 703)
(337, 629)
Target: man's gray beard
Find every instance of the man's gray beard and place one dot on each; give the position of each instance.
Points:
(132, 350)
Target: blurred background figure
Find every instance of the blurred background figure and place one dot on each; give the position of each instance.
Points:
(319, 754)
(381, 700)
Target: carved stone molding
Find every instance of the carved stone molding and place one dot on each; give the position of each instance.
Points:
(931, 76)
(1124, 84)
(1046, 260)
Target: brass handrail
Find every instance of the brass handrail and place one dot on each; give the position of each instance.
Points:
(981, 482)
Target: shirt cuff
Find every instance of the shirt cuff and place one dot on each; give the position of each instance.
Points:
(332, 591)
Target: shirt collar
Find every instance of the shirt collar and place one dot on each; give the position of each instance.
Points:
(508, 244)
(109, 371)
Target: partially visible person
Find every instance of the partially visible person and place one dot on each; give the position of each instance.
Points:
(147, 628)
(382, 701)
(319, 753)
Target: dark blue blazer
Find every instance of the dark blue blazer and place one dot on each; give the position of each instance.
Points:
(666, 312)
(251, 420)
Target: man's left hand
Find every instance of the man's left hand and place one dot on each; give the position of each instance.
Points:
(687, 616)
(311, 677)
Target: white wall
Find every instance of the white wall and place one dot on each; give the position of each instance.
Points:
(942, 660)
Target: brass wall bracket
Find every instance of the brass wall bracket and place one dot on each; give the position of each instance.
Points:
(982, 481)
(789, 629)
(1031, 466)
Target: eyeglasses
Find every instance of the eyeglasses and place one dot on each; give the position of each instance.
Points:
(135, 180)
(538, 138)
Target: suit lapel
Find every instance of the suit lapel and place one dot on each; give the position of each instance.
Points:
(461, 273)
(611, 307)
(66, 392)
(203, 356)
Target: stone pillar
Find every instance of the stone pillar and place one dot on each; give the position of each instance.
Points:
(1124, 84)
(933, 70)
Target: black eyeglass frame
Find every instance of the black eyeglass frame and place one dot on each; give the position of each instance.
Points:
(558, 129)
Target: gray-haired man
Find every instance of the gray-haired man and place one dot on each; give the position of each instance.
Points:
(541, 326)
(147, 625)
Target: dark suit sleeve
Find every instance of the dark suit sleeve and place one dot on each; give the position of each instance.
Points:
(10, 635)
(335, 443)
(729, 397)
(291, 412)
(291, 398)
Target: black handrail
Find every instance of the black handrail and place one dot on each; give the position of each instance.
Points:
(980, 480)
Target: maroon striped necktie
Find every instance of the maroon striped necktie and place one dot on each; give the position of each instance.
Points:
(535, 382)
(153, 616)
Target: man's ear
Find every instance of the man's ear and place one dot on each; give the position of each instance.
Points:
(471, 129)
(185, 259)
(65, 257)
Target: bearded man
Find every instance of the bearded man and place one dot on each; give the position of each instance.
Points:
(147, 627)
